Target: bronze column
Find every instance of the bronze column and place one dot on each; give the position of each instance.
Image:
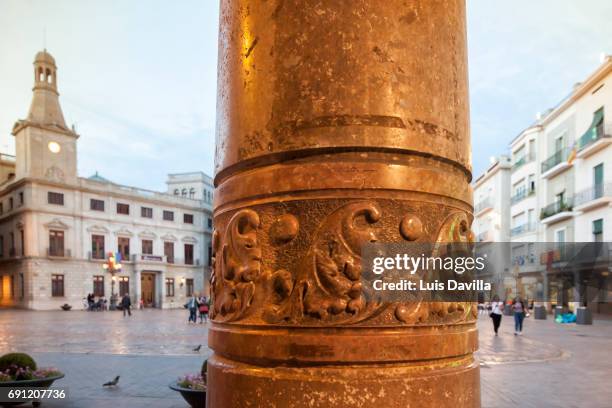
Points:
(339, 122)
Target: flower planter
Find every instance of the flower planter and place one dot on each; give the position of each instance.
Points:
(195, 398)
(39, 383)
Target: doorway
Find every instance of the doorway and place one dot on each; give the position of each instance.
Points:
(147, 285)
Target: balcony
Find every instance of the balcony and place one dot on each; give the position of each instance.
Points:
(148, 258)
(527, 158)
(96, 256)
(523, 229)
(521, 194)
(58, 253)
(483, 206)
(596, 196)
(7, 158)
(485, 236)
(595, 138)
(556, 163)
(593, 141)
(557, 211)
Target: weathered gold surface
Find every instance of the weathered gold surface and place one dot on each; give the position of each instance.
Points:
(339, 123)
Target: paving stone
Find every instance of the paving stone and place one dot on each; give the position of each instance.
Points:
(551, 365)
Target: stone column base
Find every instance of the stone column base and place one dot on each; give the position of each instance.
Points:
(451, 382)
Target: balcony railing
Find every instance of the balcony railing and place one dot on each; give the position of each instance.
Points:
(593, 193)
(521, 195)
(527, 158)
(556, 208)
(483, 236)
(486, 203)
(559, 157)
(148, 258)
(59, 253)
(591, 136)
(96, 256)
(7, 157)
(521, 229)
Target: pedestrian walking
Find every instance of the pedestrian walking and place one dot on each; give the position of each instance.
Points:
(126, 305)
(90, 301)
(520, 308)
(203, 309)
(192, 306)
(497, 308)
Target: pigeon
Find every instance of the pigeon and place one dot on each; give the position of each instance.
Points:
(197, 349)
(111, 383)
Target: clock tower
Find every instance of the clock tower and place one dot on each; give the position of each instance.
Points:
(45, 146)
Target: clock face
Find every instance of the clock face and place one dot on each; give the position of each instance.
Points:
(54, 147)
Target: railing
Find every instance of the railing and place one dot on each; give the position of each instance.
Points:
(527, 158)
(559, 157)
(164, 258)
(486, 203)
(483, 236)
(563, 253)
(523, 259)
(148, 258)
(183, 261)
(593, 193)
(521, 229)
(591, 136)
(7, 157)
(59, 253)
(521, 195)
(556, 208)
(96, 256)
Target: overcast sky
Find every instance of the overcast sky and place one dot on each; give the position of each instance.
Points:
(138, 77)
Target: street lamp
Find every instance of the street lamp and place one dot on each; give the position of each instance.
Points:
(113, 266)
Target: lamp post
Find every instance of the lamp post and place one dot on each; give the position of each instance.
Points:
(112, 266)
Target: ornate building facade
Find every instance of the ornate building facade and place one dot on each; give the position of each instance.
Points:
(57, 228)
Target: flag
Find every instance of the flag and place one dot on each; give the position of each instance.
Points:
(572, 155)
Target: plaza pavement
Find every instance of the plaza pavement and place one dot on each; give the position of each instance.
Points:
(551, 365)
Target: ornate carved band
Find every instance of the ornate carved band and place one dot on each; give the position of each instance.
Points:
(298, 263)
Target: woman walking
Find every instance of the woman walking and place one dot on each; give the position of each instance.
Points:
(520, 308)
(203, 309)
(496, 312)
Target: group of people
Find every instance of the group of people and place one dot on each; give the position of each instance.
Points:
(98, 304)
(197, 305)
(519, 308)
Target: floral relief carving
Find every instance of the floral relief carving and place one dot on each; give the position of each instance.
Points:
(454, 229)
(334, 291)
(237, 267)
(323, 287)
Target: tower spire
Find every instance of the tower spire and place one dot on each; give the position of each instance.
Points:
(45, 108)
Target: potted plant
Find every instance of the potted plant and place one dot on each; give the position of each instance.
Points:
(20, 370)
(193, 387)
(66, 307)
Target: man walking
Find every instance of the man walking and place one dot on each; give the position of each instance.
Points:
(192, 306)
(126, 305)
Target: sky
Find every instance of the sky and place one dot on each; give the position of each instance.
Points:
(138, 77)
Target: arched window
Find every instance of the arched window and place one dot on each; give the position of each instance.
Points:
(48, 75)
(184, 192)
(176, 191)
(191, 192)
(41, 75)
